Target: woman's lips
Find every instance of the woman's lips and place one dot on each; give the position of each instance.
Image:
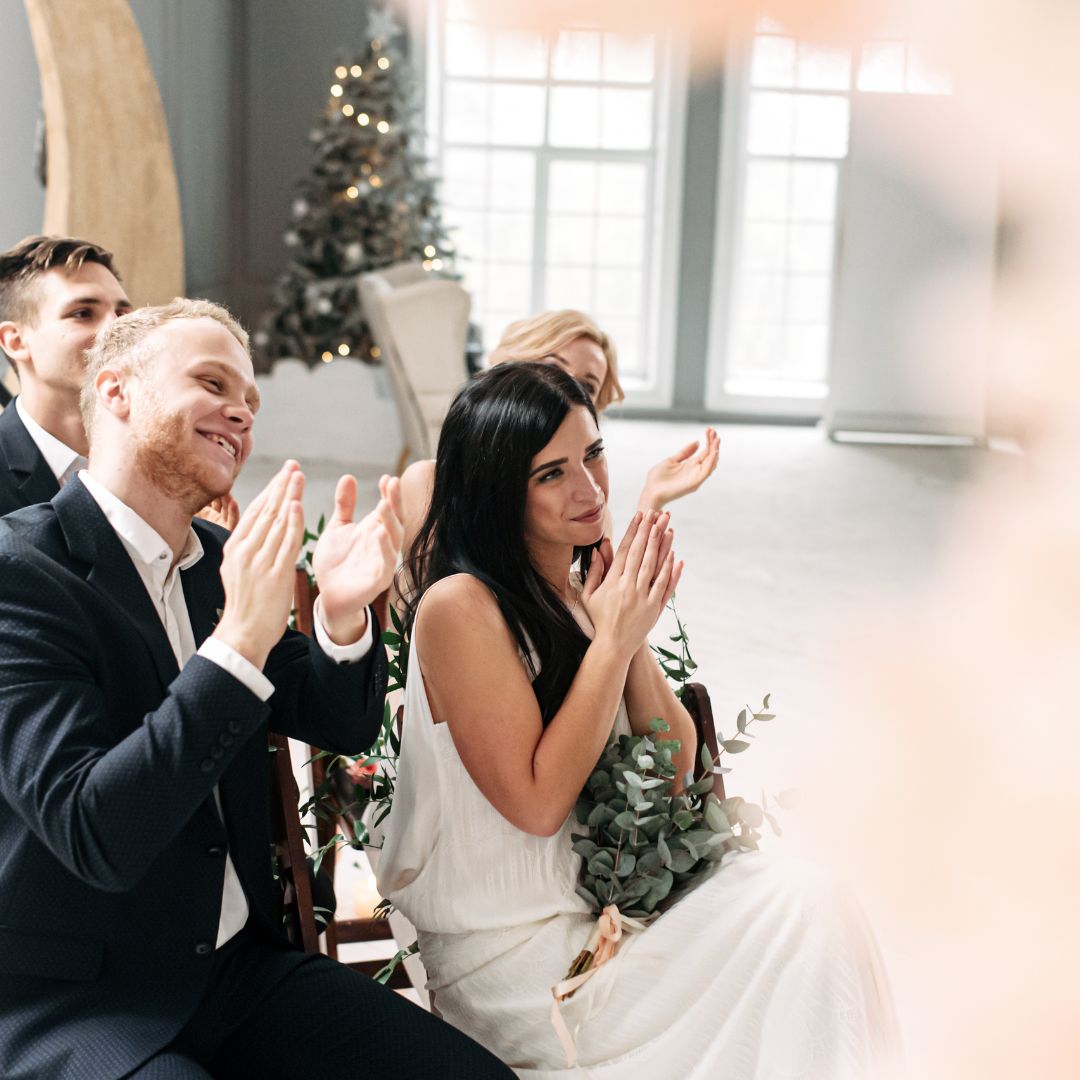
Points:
(591, 516)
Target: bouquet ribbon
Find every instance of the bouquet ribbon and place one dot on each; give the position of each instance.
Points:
(603, 941)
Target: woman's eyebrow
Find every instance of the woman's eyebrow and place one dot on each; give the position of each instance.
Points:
(548, 465)
(562, 460)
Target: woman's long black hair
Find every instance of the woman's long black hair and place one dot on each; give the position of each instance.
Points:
(476, 522)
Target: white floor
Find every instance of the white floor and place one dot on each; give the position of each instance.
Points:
(788, 545)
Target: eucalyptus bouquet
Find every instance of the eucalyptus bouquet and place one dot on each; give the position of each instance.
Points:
(644, 845)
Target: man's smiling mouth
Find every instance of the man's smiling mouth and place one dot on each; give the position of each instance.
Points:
(223, 441)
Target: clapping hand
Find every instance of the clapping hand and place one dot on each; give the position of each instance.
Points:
(625, 592)
(258, 569)
(681, 473)
(354, 562)
(223, 511)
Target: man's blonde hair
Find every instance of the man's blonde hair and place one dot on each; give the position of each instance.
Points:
(124, 344)
(547, 333)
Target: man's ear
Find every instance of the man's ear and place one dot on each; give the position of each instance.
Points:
(113, 391)
(12, 342)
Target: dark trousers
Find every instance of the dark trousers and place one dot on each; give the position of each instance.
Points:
(274, 1014)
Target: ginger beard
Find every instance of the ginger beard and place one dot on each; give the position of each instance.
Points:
(165, 455)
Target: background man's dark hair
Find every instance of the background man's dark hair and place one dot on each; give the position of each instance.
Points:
(29, 259)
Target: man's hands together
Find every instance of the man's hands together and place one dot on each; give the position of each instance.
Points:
(353, 563)
(258, 569)
(223, 511)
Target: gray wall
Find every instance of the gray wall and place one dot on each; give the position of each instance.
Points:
(288, 51)
(698, 238)
(189, 46)
(22, 200)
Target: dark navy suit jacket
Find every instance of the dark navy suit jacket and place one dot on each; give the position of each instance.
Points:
(112, 853)
(25, 476)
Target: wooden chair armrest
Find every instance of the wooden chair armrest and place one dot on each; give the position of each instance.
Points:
(695, 698)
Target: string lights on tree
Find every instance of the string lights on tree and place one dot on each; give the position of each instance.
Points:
(369, 201)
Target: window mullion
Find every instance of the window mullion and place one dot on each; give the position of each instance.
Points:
(540, 220)
(605, 265)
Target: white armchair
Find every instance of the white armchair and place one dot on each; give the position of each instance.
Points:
(420, 324)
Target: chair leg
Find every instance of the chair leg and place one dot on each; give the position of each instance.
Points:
(331, 939)
(402, 461)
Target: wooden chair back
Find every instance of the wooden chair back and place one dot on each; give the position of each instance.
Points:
(695, 698)
(287, 830)
(289, 836)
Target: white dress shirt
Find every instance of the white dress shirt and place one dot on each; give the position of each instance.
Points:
(153, 559)
(61, 459)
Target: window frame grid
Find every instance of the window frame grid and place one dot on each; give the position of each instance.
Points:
(727, 273)
(661, 203)
(735, 158)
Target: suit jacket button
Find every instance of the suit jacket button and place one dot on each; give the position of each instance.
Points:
(235, 726)
(216, 752)
(225, 739)
(207, 765)
(215, 849)
(204, 948)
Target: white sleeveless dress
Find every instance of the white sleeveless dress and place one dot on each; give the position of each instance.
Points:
(764, 972)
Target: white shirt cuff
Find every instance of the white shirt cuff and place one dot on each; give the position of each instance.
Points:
(341, 654)
(240, 668)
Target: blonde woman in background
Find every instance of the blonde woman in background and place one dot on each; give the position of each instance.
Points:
(571, 340)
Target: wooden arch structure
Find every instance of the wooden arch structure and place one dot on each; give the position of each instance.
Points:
(110, 168)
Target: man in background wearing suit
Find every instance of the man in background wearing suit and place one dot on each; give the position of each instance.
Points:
(142, 659)
(55, 294)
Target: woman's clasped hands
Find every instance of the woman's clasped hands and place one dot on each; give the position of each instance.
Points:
(625, 591)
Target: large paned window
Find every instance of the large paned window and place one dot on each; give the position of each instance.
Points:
(555, 156)
(786, 139)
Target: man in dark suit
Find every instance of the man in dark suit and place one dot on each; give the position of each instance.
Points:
(56, 293)
(142, 659)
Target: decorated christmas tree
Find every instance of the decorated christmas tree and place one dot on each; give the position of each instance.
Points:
(369, 201)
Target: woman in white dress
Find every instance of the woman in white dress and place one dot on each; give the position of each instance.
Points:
(516, 680)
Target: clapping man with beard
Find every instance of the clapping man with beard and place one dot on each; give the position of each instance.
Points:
(142, 659)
